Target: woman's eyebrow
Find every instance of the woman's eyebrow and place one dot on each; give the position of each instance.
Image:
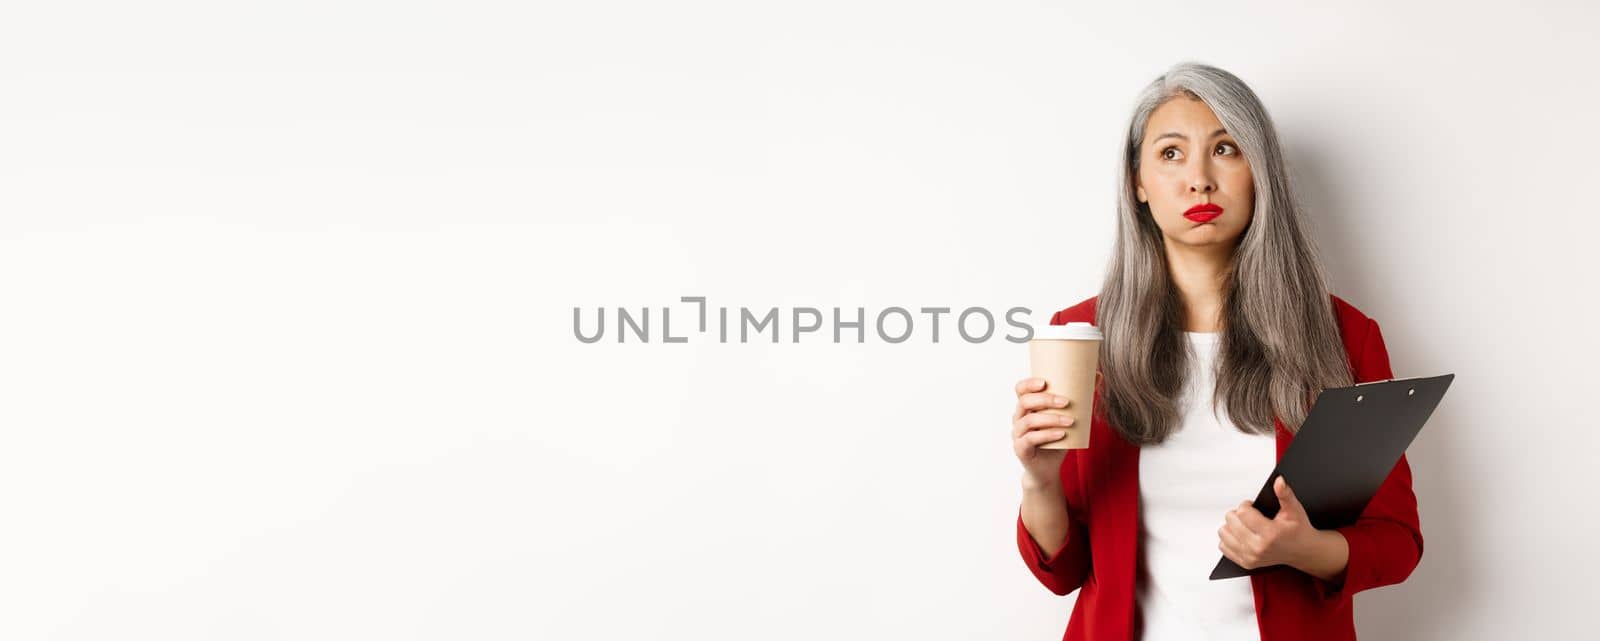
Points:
(1174, 134)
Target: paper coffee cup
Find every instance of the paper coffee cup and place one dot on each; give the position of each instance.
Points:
(1067, 357)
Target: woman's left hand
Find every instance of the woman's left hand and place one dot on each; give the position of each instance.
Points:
(1252, 540)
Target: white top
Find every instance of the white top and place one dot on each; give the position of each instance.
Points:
(1186, 487)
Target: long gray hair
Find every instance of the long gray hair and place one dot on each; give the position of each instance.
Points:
(1280, 342)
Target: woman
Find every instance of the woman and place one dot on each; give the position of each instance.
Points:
(1219, 333)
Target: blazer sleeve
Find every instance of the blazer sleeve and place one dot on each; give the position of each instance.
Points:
(1068, 566)
(1386, 540)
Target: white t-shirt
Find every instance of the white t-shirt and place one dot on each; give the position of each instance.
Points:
(1186, 487)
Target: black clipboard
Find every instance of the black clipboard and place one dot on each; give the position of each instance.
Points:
(1349, 443)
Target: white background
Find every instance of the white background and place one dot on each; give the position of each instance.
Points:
(286, 296)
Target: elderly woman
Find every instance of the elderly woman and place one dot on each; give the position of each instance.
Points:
(1219, 333)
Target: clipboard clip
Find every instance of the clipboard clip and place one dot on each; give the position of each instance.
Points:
(1413, 378)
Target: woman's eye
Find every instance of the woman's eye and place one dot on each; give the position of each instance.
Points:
(1169, 153)
(1231, 150)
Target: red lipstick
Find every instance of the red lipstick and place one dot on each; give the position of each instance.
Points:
(1203, 212)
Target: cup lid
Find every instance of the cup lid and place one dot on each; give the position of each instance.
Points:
(1069, 331)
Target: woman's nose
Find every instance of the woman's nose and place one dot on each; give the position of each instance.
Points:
(1200, 177)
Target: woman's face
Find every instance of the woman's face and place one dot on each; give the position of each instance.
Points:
(1188, 159)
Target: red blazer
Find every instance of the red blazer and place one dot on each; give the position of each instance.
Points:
(1101, 486)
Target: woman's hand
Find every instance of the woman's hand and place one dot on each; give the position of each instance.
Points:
(1031, 428)
(1252, 540)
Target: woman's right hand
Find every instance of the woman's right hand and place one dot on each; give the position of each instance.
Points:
(1031, 428)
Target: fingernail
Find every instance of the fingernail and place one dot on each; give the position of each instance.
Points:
(1061, 401)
